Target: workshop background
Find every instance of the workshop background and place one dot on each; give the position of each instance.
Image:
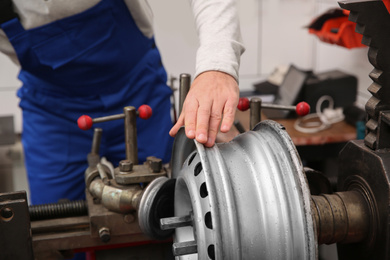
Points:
(274, 33)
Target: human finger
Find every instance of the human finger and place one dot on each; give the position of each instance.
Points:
(190, 110)
(214, 123)
(202, 121)
(229, 113)
(176, 127)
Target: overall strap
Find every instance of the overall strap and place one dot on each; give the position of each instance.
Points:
(6, 11)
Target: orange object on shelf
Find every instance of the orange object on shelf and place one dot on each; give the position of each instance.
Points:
(333, 27)
(387, 4)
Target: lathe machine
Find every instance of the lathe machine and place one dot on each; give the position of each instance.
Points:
(249, 198)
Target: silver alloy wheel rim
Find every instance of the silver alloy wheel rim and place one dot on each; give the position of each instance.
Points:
(249, 199)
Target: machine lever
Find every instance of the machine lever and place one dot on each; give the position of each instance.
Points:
(175, 222)
(129, 115)
(185, 248)
(255, 105)
(85, 122)
(302, 108)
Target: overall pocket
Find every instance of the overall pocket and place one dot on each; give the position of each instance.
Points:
(77, 38)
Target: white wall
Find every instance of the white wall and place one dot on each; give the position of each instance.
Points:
(273, 33)
(284, 39)
(8, 87)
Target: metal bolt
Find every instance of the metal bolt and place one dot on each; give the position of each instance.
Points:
(155, 164)
(176, 222)
(129, 218)
(125, 166)
(104, 234)
(106, 182)
(184, 248)
(6, 214)
(96, 201)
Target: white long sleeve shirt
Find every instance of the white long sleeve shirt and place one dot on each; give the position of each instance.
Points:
(216, 22)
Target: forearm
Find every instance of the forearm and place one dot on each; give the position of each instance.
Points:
(220, 43)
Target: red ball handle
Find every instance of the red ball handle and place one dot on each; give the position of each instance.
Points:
(302, 108)
(243, 104)
(145, 112)
(84, 122)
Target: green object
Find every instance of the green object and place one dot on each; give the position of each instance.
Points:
(360, 130)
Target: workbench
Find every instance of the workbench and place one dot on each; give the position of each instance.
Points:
(338, 133)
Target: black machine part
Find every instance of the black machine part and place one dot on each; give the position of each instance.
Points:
(157, 203)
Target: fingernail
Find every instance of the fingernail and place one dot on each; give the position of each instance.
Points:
(224, 128)
(191, 133)
(201, 138)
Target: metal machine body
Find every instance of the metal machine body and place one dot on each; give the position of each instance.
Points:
(366, 164)
(106, 220)
(356, 216)
(250, 198)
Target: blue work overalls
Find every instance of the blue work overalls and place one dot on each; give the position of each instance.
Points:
(95, 63)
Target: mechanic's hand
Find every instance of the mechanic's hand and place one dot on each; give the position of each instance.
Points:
(213, 97)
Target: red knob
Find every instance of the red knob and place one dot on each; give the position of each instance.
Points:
(243, 104)
(302, 109)
(84, 122)
(145, 112)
